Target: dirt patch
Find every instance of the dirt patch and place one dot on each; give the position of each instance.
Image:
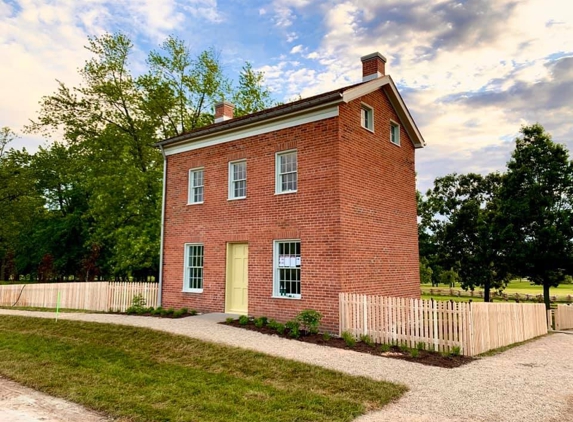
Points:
(22, 404)
(394, 352)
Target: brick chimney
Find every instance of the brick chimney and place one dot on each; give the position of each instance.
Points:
(224, 111)
(373, 66)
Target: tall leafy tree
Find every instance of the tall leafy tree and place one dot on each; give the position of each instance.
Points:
(20, 203)
(108, 193)
(535, 219)
(462, 209)
(251, 94)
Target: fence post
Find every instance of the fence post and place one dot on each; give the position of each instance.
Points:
(365, 305)
(549, 320)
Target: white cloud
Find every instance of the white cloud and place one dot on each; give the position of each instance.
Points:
(291, 36)
(296, 49)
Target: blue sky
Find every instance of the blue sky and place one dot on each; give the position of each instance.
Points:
(471, 72)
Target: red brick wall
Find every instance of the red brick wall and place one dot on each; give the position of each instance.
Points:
(378, 187)
(311, 215)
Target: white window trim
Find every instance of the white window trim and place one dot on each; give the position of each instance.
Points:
(392, 125)
(364, 106)
(276, 292)
(231, 187)
(186, 260)
(277, 173)
(190, 197)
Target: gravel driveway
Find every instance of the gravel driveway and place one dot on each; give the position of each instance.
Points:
(533, 382)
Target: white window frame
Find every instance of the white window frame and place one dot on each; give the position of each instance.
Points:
(187, 267)
(191, 189)
(232, 181)
(276, 269)
(365, 109)
(278, 174)
(394, 126)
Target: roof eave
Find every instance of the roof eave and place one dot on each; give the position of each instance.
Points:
(331, 99)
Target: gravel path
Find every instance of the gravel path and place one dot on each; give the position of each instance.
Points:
(533, 382)
(22, 404)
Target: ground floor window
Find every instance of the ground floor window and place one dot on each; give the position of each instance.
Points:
(287, 264)
(193, 268)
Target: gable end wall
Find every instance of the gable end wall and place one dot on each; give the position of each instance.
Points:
(378, 203)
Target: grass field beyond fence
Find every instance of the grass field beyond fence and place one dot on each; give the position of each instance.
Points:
(137, 375)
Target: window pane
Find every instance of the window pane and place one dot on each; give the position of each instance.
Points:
(199, 194)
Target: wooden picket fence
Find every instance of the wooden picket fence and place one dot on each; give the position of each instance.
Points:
(95, 296)
(472, 328)
(563, 317)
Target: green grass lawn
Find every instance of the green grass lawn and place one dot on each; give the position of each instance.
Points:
(521, 287)
(137, 374)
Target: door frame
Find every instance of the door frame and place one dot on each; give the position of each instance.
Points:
(228, 274)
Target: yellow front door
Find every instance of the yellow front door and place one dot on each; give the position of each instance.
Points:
(237, 278)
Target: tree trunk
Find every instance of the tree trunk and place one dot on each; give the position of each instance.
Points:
(486, 289)
(546, 295)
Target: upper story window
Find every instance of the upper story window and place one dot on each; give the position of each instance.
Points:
(195, 186)
(395, 133)
(193, 280)
(286, 172)
(367, 117)
(238, 180)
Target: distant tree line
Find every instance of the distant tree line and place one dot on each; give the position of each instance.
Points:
(88, 205)
(485, 230)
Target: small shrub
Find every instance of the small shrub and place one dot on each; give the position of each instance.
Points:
(456, 351)
(404, 348)
(229, 320)
(170, 311)
(163, 312)
(185, 311)
(326, 336)
(243, 320)
(385, 348)
(192, 312)
(421, 346)
(280, 328)
(272, 324)
(150, 310)
(157, 311)
(348, 339)
(294, 328)
(260, 322)
(131, 310)
(138, 302)
(309, 319)
(366, 339)
(414, 353)
(178, 313)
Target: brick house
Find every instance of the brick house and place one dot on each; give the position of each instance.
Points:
(281, 210)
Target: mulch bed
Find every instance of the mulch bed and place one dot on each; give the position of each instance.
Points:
(424, 357)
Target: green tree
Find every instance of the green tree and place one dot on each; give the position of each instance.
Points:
(461, 210)
(179, 90)
(20, 203)
(251, 94)
(107, 188)
(535, 218)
